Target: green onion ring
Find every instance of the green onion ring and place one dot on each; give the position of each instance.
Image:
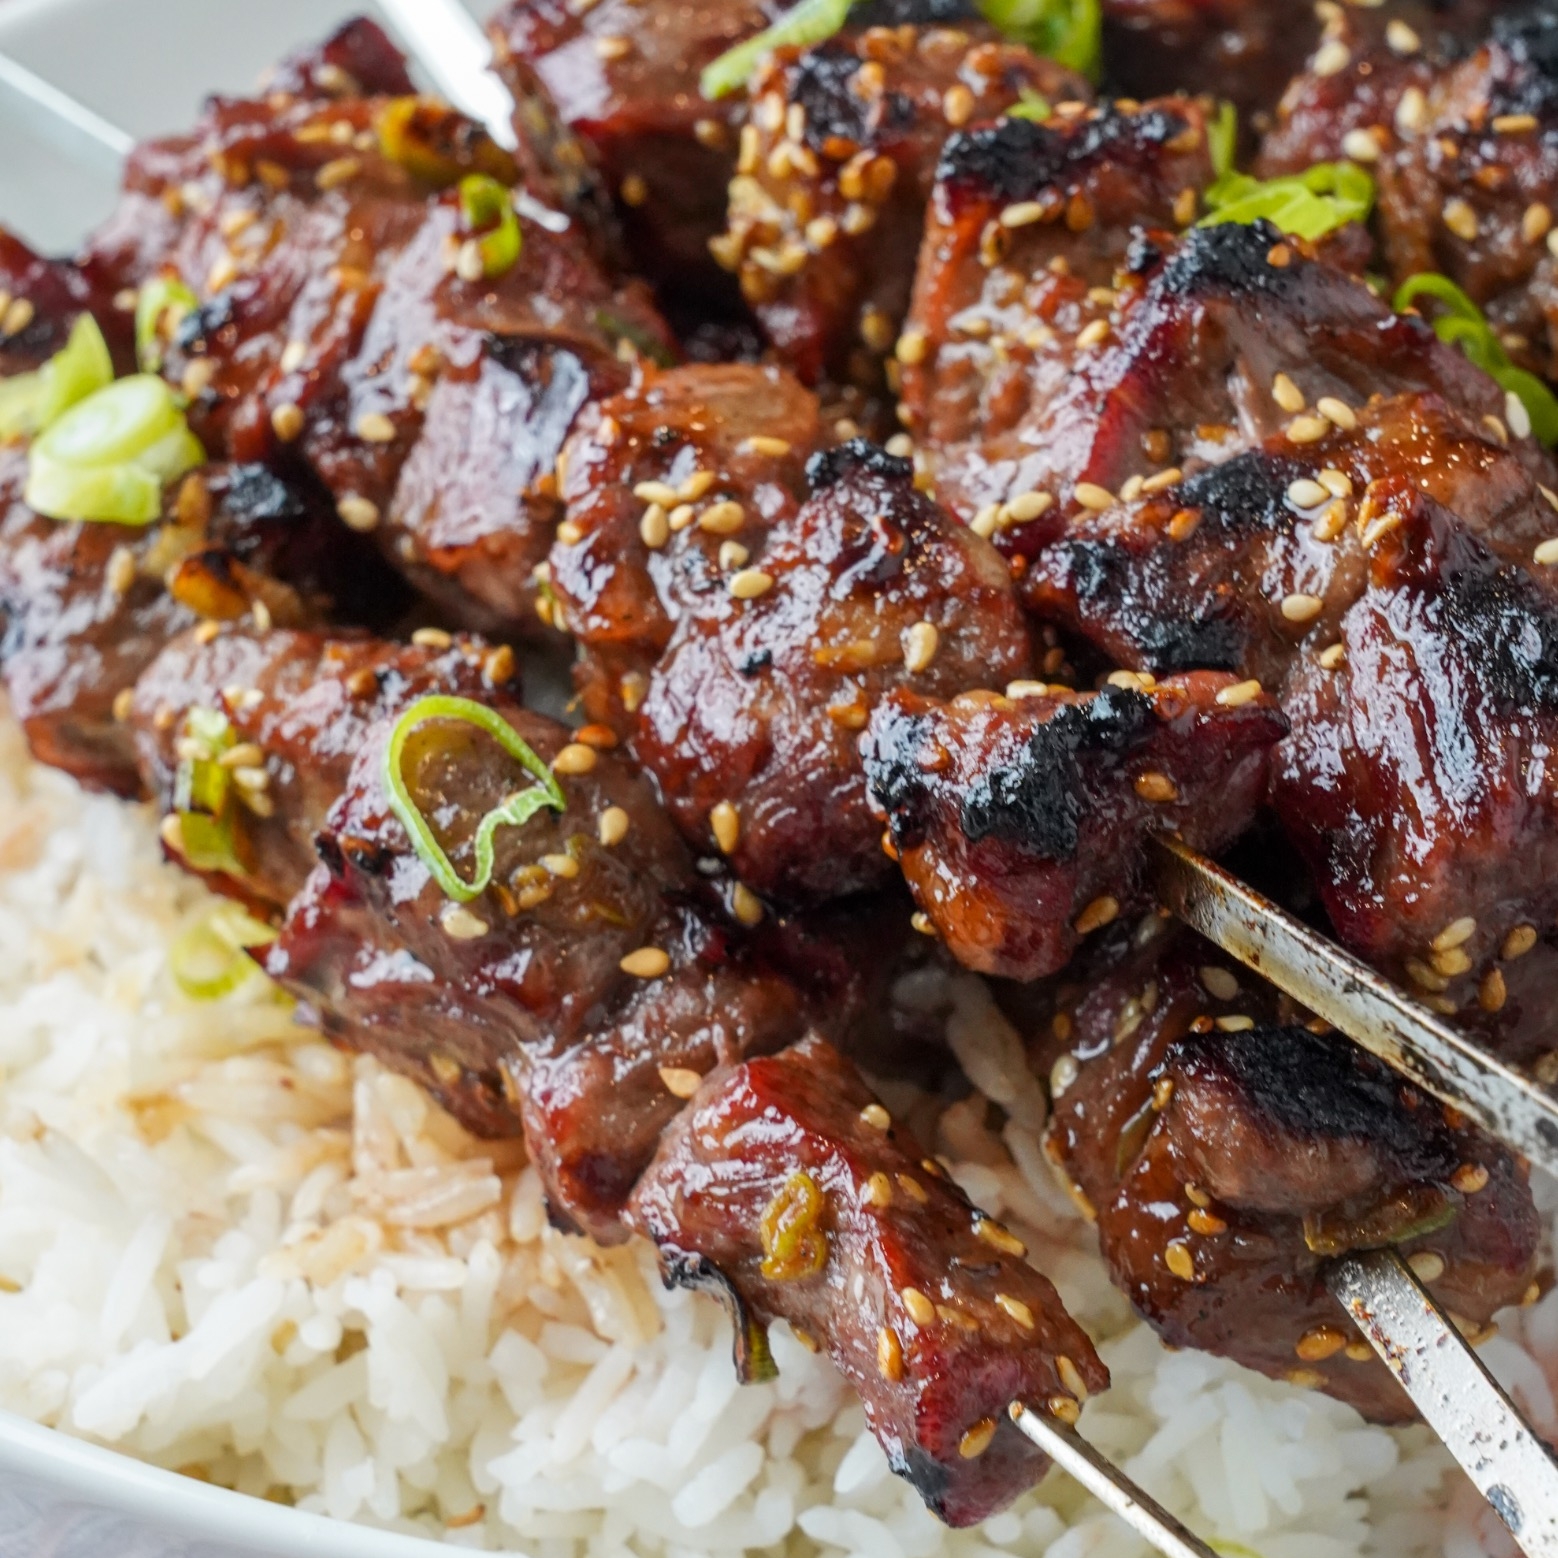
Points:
(1070, 32)
(488, 208)
(517, 810)
(30, 402)
(158, 298)
(210, 959)
(812, 21)
(1222, 139)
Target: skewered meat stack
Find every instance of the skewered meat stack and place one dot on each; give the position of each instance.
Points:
(1211, 457)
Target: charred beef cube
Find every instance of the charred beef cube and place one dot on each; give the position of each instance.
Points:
(1228, 1153)
(624, 77)
(1019, 819)
(776, 626)
(39, 302)
(786, 1187)
(87, 607)
(578, 997)
(1206, 346)
(358, 60)
(1417, 777)
(296, 708)
(828, 204)
(345, 319)
(1250, 564)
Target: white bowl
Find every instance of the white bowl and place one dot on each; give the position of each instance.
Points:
(145, 66)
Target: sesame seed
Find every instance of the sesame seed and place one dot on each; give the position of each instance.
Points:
(1427, 1266)
(338, 172)
(1514, 124)
(877, 1191)
(1338, 412)
(987, 521)
(1298, 608)
(1091, 496)
(1156, 787)
(725, 822)
(750, 583)
(575, 759)
(570, 533)
(1234, 1024)
(459, 924)
(889, 1354)
(920, 1309)
(1412, 111)
(17, 314)
(431, 638)
(1518, 942)
(919, 646)
(1307, 494)
(646, 963)
(657, 492)
(373, 427)
(1092, 335)
(1286, 393)
(976, 1441)
(722, 519)
(696, 486)
(999, 1236)
(921, 922)
(1219, 982)
(1516, 415)
(1206, 1223)
(1100, 912)
(1335, 482)
(1163, 480)
(197, 377)
(1451, 963)
(912, 347)
(957, 105)
(654, 528)
(1239, 694)
(746, 905)
(121, 570)
(613, 826)
(876, 1117)
(1492, 991)
(1028, 506)
(1062, 1074)
(733, 555)
(1360, 146)
(1064, 1408)
(1456, 934)
(912, 1188)
(1331, 58)
(680, 1081)
(1461, 219)
(1537, 222)
(564, 866)
(612, 47)
(1180, 1261)
(1424, 977)
(1185, 203)
(1333, 657)
(1015, 1307)
(1307, 429)
(1402, 38)
(1320, 1342)
(1022, 214)
(221, 275)
(1184, 524)
(1469, 1178)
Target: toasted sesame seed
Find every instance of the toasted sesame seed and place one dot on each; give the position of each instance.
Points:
(1456, 934)
(771, 448)
(1307, 429)
(1307, 494)
(1360, 145)
(1516, 415)
(1100, 912)
(1184, 524)
(922, 923)
(1320, 1342)
(750, 583)
(1180, 1261)
(459, 924)
(613, 826)
(912, 348)
(1461, 219)
(1492, 991)
(1536, 223)
(889, 1354)
(1206, 1223)
(876, 1117)
(1219, 982)
(695, 486)
(654, 528)
(1091, 496)
(1239, 694)
(124, 703)
(1335, 482)
(1469, 1178)
(1518, 942)
(1028, 506)
(569, 533)
(373, 427)
(1427, 1265)
(1338, 412)
(987, 521)
(197, 377)
(957, 105)
(564, 866)
(1022, 213)
(610, 47)
(680, 1081)
(575, 759)
(746, 905)
(976, 1441)
(1016, 1309)
(920, 643)
(912, 1188)
(1092, 335)
(733, 555)
(16, 316)
(247, 754)
(725, 823)
(498, 666)
(1451, 963)
(722, 519)
(1514, 124)
(877, 1191)
(1287, 394)
(431, 638)
(920, 1309)
(1402, 38)
(999, 1236)
(287, 421)
(657, 492)
(646, 963)
(1062, 1074)
(1546, 555)
(1156, 787)
(1064, 1408)
(1299, 608)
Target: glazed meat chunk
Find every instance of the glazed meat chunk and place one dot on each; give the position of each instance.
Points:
(787, 1187)
(1019, 819)
(838, 162)
(296, 707)
(350, 317)
(1227, 1153)
(776, 625)
(1416, 780)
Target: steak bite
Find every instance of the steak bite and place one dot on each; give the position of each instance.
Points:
(754, 639)
(1228, 1153)
(786, 1186)
(1019, 819)
(827, 207)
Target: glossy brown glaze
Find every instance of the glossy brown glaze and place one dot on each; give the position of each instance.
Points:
(1019, 819)
(740, 657)
(926, 1305)
(1226, 1153)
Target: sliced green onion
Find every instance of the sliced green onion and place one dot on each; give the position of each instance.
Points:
(210, 959)
(488, 208)
(1070, 32)
(1030, 105)
(517, 810)
(1461, 323)
(30, 402)
(109, 456)
(202, 794)
(1222, 139)
(207, 844)
(162, 305)
(435, 144)
(812, 21)
(1309, 204)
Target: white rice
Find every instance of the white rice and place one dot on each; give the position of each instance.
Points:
(229, 1250)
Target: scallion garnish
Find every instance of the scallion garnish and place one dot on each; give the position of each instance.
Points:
(202, 794)
(1309, 204)
(159, 309)
(109, 456)
(517, 810)
(812, 21)
(488, 209)
(29, 402)
(435, 144)
(1222, 139)
(1070, 32)
(1463, 324)
(1030, 105)
(210, 959)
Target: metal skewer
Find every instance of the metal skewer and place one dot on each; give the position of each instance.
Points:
(1456, 1396)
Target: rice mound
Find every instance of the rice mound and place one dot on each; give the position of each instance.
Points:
(230, 1250)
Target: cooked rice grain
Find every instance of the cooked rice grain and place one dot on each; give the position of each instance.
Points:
(227, 1249)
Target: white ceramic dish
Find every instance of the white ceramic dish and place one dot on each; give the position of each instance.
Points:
(143, 65)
